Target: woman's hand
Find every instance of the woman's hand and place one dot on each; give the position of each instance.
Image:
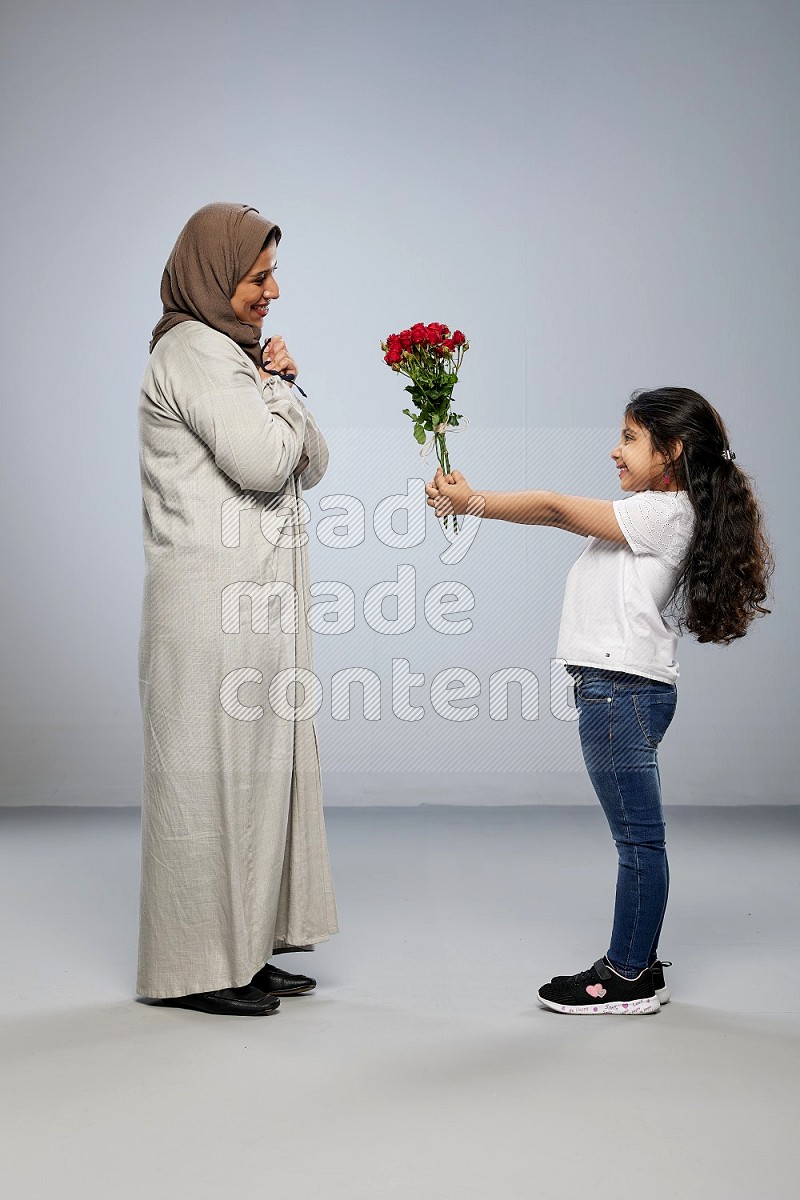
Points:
(277, 358)
(451, 494)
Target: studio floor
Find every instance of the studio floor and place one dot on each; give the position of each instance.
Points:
(423, 1065)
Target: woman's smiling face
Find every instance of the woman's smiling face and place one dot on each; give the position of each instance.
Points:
(257, 288)
(640, 467)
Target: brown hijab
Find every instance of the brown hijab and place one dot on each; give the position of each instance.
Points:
(215, 249)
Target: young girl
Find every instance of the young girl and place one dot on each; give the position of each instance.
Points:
(688, 530)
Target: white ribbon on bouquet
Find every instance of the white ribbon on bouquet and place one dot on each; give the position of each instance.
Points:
(443, 427)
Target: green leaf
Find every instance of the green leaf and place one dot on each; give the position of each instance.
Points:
(419, 434)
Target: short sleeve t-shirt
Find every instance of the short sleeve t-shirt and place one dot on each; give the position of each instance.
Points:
(616, 592)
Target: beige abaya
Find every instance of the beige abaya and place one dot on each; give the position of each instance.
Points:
(234, 853)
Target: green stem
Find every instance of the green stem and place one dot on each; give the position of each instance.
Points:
(444, 461)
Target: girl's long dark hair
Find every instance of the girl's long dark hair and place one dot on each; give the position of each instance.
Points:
(728, 563)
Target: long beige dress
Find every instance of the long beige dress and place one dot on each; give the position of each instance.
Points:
(234, 852)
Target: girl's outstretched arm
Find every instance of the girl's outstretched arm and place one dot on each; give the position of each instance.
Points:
(577, 514)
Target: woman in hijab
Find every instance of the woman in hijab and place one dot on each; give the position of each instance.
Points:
(234, 856)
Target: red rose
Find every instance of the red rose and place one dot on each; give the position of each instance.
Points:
(458, 338)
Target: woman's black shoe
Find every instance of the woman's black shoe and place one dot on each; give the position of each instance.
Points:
(282, 983)
(247, 1001)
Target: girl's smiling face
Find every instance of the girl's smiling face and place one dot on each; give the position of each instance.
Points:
(640, 467)
(257, 288)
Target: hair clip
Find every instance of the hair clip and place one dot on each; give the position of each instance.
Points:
(729, 455)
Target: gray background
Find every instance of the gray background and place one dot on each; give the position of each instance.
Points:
(602, 195)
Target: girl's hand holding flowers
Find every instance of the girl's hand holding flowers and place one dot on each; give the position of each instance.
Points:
(452, 494)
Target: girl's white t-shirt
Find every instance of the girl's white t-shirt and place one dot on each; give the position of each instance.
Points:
(616, 591)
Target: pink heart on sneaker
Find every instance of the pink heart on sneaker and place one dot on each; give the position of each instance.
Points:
(597, 990)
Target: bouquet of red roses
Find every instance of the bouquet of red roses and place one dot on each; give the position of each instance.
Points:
(430, 356)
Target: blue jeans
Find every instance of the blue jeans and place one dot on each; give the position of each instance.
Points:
(621, 720)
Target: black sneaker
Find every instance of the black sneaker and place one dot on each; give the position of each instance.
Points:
(601, 990)
(659, 982)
